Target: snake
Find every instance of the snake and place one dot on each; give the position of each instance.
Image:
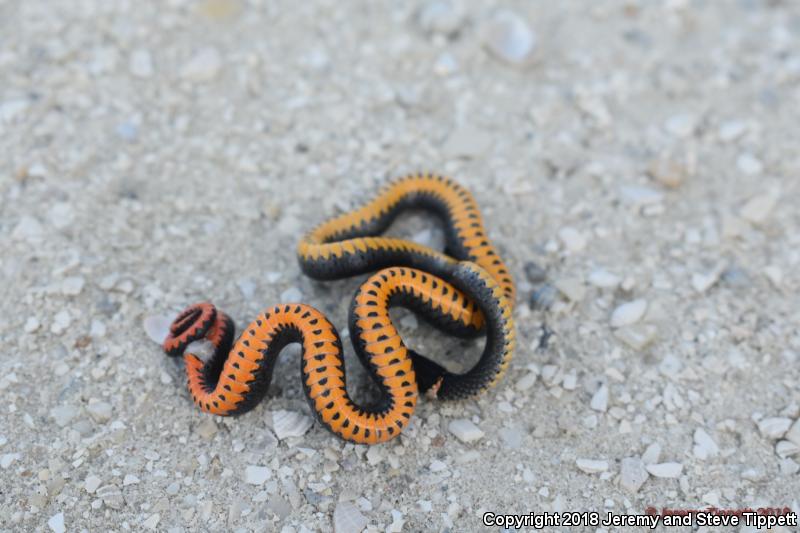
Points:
(466, 291)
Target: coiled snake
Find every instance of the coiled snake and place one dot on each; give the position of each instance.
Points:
(464, 291)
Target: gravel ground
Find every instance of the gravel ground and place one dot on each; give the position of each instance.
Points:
(636, 163)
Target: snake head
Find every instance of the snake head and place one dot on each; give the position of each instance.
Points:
(190, 325)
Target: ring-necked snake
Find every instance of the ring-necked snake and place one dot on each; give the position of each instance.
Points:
(464, 291)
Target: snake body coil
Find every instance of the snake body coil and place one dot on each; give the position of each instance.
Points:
(465, 293)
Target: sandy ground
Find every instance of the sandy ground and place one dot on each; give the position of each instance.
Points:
(643, 154)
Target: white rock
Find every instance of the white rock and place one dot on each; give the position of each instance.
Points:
(758, 208)
(573, 239)
(665, 470)
(290, 424)
(668, 171)
(794, 433)
(731, 130)
(374, 455)
(604, 279)
(141, 63)
(600, 399)
(439, 17)
(130, 479)
(632, 474)
(63, 414)
(72, 286)
(572, 288)
(749, 164)
(526, 382)
(92, 483)
(467, 142)
(348, 519)
(203, 66)
(774, 275)
(628, 313)
(28, 228)
(786, 448)
(257, 475)
(31, 324)
(508, 37)
(97, 329)
(775, 427)
(10, 109)
(291, 295)
(681, 125)
(702, 282)
(61, 215)
(397, 522)
(157, 327)
(152, 521)
(641, 196)
(704, 447)
(100, 411)
(7, 459)
(56, 523)
(465, 430)
(438, 466)
(247, 288)
(592, 466)
(61, 321)
(652, 454)
(637, 336)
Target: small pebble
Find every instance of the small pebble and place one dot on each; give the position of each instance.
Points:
(704, 447)
(665, 470)
(291, 295)
(604, 279)
(141, 63)
(758, 208)
(572, 288)
(28, 228)
(632, 474)
(8, 459)
(465, 430)
(31, 324)
(535, 273)
(774, 428)
(600, 399)
(793, 434)
(544, 297)
(203, 66)
(63, 414)
(439, 17)
(157, 327)
(56, 523)
(152, 521)
(100, 411)
(508, 37)
(573, 239)
(257, 475)
(437, 466)
(348, 519)
(91, 484)
(130, 479)
(637, 336)
(749, 164)
(652, 454)
(786, 448)
(290, 424)
(628, 313)
(591, 466)
(467, 142)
